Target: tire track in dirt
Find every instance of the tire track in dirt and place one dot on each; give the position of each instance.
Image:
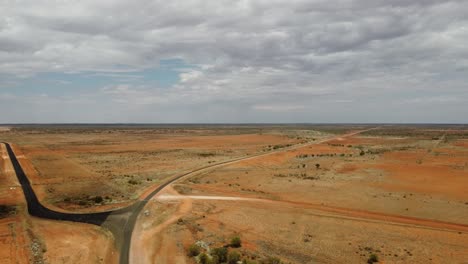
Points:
(346, 213)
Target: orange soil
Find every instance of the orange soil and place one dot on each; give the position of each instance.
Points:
(427, 179)
(10, 190)
(361, 140)
(424, 172)
(14, 243)
(462, 143)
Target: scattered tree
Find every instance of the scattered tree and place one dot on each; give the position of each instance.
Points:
(317, 166)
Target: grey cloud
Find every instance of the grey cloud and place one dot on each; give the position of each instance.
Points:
(250, 53)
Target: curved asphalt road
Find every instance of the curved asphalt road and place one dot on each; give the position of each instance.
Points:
(35, 208)
(125, 217)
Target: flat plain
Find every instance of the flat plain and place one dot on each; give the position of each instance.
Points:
(292, 193)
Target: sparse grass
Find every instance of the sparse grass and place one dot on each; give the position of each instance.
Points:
(271, 260)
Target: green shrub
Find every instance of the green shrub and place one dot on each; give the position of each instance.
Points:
(194, 250)
(133, 182)
(203, 258)
(221, 253)
(233, 257)
(98, 199)
(372, 259)
(6, 211)
(236, 242)
(215, 260)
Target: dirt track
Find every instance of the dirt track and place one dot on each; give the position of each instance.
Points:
(347, 213)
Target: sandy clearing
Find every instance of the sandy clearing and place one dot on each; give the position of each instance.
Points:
(149, 245)
(89, 244)
(168, 197)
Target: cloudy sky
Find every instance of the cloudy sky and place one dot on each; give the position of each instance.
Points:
(234, 61)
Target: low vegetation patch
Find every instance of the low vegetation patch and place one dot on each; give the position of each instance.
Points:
(236, 242)
(233, 257)
(372, 259)
(206, 154)
(87, 200)
(7, 210)
(194, 250)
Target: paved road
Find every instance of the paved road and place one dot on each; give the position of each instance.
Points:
(35, 208)
(121, 222)
(113, 220)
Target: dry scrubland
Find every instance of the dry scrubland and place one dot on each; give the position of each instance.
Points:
(71, 166)
(92, 168)
(399, 192)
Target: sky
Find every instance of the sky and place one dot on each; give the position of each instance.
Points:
(226, 61)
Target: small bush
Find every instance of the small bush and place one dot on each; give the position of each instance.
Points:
(194, 250)
(133, 182)
(98, 199)
(236, 242)
(215, 260)
(203, 258)
(221, 253)
(6, 211)
(373, 259)
(233, 257)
